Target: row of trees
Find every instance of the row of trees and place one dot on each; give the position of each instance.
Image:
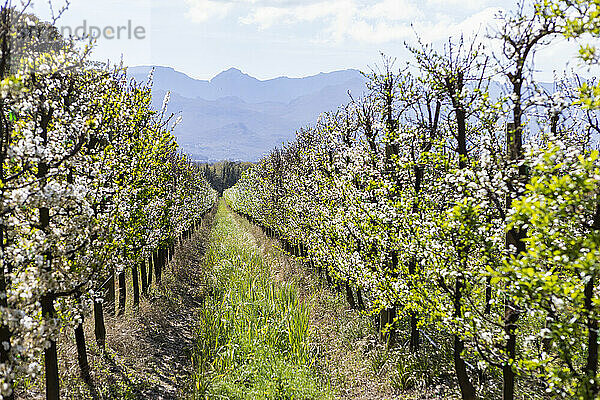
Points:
(224, 174)
(460, 205)
(92, 186)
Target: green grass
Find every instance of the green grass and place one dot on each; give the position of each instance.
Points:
(253, 332)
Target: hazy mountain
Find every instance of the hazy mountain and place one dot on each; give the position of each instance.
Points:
(236, 116)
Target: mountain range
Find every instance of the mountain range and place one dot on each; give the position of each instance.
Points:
(235, 116)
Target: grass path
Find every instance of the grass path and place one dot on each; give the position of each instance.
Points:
(252, 339)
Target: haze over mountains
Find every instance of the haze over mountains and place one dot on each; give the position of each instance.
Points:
(237, 117)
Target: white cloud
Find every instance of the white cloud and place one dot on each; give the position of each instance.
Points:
(367, 21)
(380, 32)
(343, 18)
(204, 10)
(468, 5)
(478, 23)
(266, 17)
(397, 10)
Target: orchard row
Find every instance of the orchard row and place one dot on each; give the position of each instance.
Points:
(447, 202)
(92, 186)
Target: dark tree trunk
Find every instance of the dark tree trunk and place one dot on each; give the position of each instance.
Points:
(514, 238)
(414, 342)
(383, 321)
(508, 375)
(157, 270)
(163, 258)
(387, 317)
(591, 366)
(136, 286)
(462, 138)
(467, 389)
(359, 298)
(350, 296)
(109, 298)
(84, 366)
(122, 292)
(391, 340)
(5, 333)
(488, 296)
(99, 328)
(150, 264)
(47, 300)
(50, 354)
(144, 276)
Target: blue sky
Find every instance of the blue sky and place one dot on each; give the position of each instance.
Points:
(270, 38)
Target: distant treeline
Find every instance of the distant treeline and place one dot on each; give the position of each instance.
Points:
(224, 174)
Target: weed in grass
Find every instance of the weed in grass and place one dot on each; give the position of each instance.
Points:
(412, 370)
(403, 376)
(379, 358)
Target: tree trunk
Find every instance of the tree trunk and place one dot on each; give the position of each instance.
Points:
(50, 355)
(391, 341)
(361, 304)
(5, 60)
(383, 321)
(414, 342)
(514, 238)
(99, 328)
(157, 270)
(122, 292)
(84, 366)
(488, 296)
(144, 276)
(150, 263)
(387, 318)
(467, 389)
(508, 375)
(109, 298)
(591, 366)
(329, 280)
(350, 296)
(164, 252)
(5, 333)
(136, 286)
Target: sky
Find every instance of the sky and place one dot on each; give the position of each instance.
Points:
(271, 38)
